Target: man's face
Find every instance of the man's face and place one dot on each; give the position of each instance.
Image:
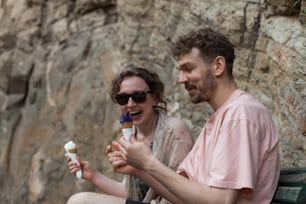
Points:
(197, 76)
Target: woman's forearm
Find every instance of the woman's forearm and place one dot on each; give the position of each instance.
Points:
(108, 186)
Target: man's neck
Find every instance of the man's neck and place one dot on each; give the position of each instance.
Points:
(223, 92)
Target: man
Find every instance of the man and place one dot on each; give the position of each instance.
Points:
(236, 156)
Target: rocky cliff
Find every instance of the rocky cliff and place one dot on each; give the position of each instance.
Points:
(57, 59)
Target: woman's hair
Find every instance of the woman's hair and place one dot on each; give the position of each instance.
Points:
(153, 81)
(210, 43)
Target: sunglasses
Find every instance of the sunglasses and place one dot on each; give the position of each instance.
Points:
(138, 97)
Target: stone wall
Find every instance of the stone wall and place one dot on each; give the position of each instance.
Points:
(57, 59)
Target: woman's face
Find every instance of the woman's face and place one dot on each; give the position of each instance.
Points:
(142, 112)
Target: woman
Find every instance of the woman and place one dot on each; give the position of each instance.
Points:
(140, 93)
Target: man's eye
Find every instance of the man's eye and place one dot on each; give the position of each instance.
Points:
(188, 69)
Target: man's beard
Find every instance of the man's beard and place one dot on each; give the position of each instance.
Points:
(206, 90)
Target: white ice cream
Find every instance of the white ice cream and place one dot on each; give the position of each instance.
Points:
(70, 145)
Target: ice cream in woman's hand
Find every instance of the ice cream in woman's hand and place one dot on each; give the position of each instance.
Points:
(71, 151)
(126, 122)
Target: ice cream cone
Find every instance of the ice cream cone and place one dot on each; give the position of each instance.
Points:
(71, 151)
(126, 122)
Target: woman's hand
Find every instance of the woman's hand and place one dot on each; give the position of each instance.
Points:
(88, 171)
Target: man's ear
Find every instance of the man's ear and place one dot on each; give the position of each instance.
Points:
(219, 66)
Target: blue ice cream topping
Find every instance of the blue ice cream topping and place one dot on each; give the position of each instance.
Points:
(125, 117)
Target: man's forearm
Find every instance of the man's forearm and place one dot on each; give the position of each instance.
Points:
(157, 186)
(185, 190)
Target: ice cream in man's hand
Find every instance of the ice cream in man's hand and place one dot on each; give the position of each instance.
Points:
(126, 122)
(71, 151)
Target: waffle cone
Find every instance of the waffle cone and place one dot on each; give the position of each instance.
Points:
(127, 125)
(73, 151)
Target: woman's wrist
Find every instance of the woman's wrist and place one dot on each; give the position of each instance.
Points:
(94, 177)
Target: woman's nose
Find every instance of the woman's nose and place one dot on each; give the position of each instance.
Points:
(131, 102)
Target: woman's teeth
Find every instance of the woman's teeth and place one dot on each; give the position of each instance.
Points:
(135, 113)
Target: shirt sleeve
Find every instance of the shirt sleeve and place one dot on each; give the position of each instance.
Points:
(236, 156)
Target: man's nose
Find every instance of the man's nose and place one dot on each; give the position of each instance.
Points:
(182, 78)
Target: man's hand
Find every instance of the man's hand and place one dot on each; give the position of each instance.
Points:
(117, 159)
(135, 153)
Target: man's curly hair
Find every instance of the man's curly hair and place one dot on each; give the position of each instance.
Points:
(210, 43)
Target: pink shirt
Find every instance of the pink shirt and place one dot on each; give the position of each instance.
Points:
(236, 149)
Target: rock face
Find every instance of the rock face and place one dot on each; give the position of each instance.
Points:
(57, 59)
